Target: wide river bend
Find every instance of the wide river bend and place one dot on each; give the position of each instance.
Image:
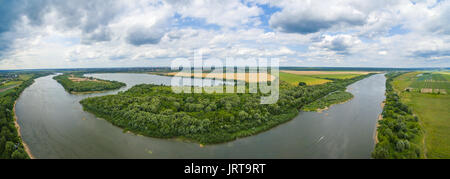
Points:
(54, 125)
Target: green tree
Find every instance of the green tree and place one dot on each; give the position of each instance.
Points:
(301, 84)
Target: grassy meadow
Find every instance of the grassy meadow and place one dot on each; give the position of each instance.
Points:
(433, 111)
(76, 83)
(295, 79)
(435, 81)
(12, 83)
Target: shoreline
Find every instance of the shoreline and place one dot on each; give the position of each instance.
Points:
(16, 124)
(90, 92)
(328, 107)
(320, 110)
(380, 117)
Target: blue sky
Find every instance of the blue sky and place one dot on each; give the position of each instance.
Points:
(140, 33)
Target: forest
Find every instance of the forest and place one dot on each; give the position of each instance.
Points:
(10, 143)
(156, 111)
(399, 131)
(76, 82)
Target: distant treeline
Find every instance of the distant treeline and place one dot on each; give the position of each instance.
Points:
(10, 143)
(399, 130)
(168, 69)
(88, 85)
(156, 111)
(356, 69)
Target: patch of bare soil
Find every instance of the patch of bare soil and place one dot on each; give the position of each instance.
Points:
(78, 79)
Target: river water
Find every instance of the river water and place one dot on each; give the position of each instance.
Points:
(54, 125)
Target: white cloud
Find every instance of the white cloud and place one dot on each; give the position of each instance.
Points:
(340, 44)
(383, 52)
(230, 13)
(304, 33)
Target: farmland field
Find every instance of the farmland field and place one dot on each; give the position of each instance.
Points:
(25, 77)
(317, 77)
(430, 81)
(249, 77)
(433, 112)
(8, 86)
(336, 76)
(445, 73)
(291, 77)
(295, 79)
(10, 83)
(325, 72)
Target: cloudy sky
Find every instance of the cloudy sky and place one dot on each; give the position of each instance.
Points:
(141, 33)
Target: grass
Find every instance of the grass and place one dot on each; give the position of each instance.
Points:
(327, 101)
(16, 82)
(336, 76)
(432, 85)
(325, 72)
(291, 77)
(9, 84)
(25, 77)
(295, 79)
(78, 84)
(5, 91)
(434, 115)
(429, 80)
(445, 73)
(8, 87)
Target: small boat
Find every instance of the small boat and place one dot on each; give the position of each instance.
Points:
(321, 138)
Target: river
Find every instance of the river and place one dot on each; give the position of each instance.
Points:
(54, 125)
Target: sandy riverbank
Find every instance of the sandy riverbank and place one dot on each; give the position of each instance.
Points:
(380, 117)
(25, 146)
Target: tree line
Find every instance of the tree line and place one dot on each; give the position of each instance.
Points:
(399, 130)
(156, 111)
